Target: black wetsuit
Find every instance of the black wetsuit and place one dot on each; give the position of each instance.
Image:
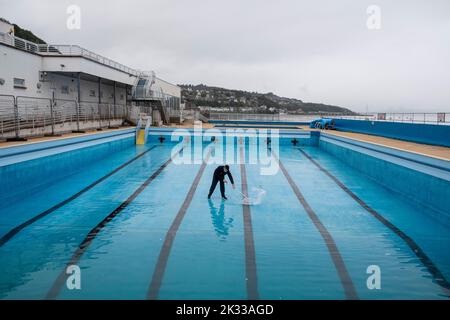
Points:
(219, 176)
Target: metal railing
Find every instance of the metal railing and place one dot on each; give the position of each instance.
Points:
(63, 50)
(32, 116)
(244, 116)
(438, 118)
(7, 114)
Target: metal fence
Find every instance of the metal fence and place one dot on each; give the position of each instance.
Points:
(244, 116)
(34, 114)
(7, 116)
(63, 50)
(31, 116)
(438, 118)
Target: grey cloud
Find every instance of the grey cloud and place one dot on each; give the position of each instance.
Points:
(313, 50)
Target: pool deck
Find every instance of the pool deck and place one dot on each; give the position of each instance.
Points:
(438, 152)
(37, 139)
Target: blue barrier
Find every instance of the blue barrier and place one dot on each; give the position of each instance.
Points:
(422, 133)
(301, 123)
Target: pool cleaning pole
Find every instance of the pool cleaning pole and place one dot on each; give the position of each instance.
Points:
(246, 198)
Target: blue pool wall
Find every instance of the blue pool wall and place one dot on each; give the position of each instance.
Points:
(303, 138)
(429, 191)
(426, 188)
(25, 177)
(256, 122)
(414, 132)
(45, 145)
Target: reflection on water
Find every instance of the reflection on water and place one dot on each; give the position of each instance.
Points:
(220, 223)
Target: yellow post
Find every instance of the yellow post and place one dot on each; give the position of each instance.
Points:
(140, 137)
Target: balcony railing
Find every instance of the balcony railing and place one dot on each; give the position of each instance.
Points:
(64, 50)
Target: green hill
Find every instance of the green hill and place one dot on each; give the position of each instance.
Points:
(27, 35)
(228, 100)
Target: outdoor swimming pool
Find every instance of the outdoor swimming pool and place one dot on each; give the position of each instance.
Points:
(140, 226)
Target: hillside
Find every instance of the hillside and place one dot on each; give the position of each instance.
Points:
(24, 34)
(204, 97)
(27, 35)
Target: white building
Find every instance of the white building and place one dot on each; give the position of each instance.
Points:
(36, 77)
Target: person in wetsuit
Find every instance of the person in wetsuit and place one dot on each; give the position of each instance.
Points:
(219, 176)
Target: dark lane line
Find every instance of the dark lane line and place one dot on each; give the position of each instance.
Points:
(25, 224)
(426, 261)
(250, 255)
(59, 282)
(347, 283)
(163, 257)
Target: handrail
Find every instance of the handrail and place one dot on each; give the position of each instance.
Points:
(147, 127)
(438, 118)
(63, 50)
(24, 116)
(139, 124)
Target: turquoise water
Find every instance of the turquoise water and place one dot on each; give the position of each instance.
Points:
(208, 258)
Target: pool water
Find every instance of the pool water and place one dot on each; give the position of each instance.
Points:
(140, 226)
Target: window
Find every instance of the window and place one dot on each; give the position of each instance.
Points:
(92, 93)
(141, 82)
(19, 83)
(65, 90)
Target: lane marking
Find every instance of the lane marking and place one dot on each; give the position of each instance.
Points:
(60, 280)
(346, 281)
(415, 248)
(164, 254)
(10, 234)
(250, 255)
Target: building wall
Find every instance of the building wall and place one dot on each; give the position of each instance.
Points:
(19, 64)
(6, 27)
(62, 80)
(79, 64)
(168, 88)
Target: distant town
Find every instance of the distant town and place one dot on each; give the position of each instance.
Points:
(206, 98)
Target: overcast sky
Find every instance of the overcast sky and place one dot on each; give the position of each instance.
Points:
(320, 51)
